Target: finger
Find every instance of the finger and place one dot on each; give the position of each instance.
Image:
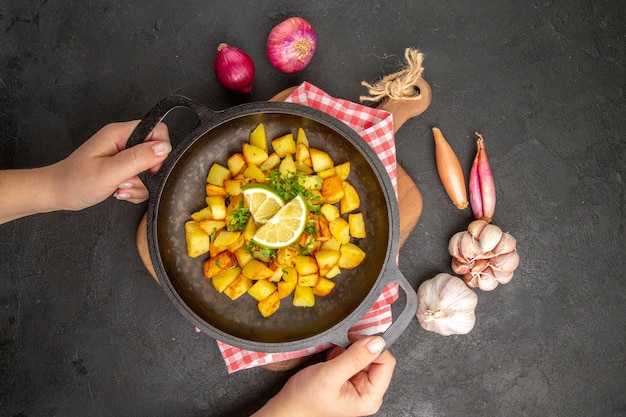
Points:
(132, 189)
(381, 370)
(139, 158)
(357, 357)
(132, 194)
(113, 137)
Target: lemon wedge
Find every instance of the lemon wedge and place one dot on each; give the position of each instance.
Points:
(262, 202)
(285, 227)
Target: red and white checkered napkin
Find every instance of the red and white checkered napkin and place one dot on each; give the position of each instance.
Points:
(376, 128)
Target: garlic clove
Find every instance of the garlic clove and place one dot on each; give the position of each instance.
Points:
(489, 237)
(471, 280)
(506, 262)
(503, 277)
(460, 267)
(507, 244)
(487, 280)
(476, 227)
(454, 245)
(469, 247)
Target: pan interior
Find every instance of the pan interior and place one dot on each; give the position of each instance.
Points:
(184, 193)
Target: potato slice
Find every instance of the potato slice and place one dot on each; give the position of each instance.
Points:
(225, 238)
(236, 202)
(243, 256)
(330, 211)
(262, 289)
(357, 225)
(217, 174)
(258, 137)
(332, 189)
(302, 154)
(351, 256)
(216, 264)
(253, 155)
(216, 190)
(343, 170)
(330, 244)
(306, 265)
(233, 187)
(350, 200)
(269, 305)
(302, 138)
(211, 226)
(285, 288)
(323, 287)
(270, 163)
(198, 241)
(287, 166)
(239, 287)
(222, 280)
(326, 259)
(250, 230)
(327, 173)
(320, 160)
(257, 270)
(323, 231)
(340, 229)
(303, 296)
(236, 163)
(334, 271)
(284, 145)
(308, 280)
(254, 173)
(287, 256)
(215, 250)
(202, 214)
(218, 207)
(288, 282)
(237, 244)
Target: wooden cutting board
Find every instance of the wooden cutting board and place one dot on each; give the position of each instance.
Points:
(409, 196)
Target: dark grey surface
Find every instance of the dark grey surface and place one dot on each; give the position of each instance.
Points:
(86, 332)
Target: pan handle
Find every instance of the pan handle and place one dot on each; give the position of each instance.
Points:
(404, 319)
(156, 116)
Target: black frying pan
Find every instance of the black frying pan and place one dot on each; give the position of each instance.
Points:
(179, 189)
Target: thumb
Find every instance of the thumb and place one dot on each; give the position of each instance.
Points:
(139, 158)
(357, 357)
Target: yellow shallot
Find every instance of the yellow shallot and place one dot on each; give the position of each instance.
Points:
(449, 169)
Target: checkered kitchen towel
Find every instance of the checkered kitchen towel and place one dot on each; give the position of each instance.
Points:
(376, 128)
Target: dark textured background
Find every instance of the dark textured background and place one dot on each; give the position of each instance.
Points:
(84, 329)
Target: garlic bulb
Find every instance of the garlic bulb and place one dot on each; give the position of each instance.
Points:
(484, 255)
(446, 306)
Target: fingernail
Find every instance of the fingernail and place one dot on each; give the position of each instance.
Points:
(121, 196)
(376, 345)
(161, 148)
(125, 185)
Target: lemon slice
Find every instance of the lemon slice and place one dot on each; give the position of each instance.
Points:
(262, 202)
(285, 227)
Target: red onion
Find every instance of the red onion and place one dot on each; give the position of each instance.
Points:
(234, 68)
(291, 45)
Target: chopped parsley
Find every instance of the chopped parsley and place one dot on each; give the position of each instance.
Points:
(289, 186)
(238, 219)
